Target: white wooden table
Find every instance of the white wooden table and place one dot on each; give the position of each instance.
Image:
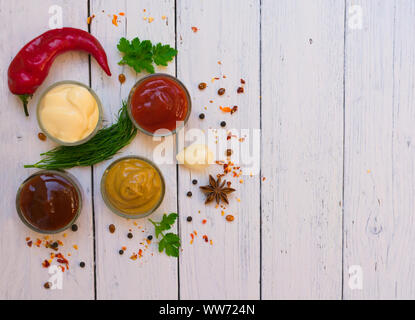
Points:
(330, 83)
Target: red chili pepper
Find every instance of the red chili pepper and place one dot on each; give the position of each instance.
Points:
(31, 65)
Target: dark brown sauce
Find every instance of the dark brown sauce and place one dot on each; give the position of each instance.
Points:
(49, 201)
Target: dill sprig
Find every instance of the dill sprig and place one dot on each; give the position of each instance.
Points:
(103, 146)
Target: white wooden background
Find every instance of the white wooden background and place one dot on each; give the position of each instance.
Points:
(335, 104)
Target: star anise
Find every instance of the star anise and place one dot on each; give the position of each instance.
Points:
(216, 190)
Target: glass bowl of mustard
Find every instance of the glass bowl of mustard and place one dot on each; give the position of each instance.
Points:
(159, 105)
(69, 113)
(133, 187)
(49, 201)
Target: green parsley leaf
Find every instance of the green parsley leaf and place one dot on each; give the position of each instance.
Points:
(137, 54)
(163, 54)
(140, 55)
(170, 242)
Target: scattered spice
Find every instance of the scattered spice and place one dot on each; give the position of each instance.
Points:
(240, 90)
(150, 19)
(45, 264)
(121, 252)
(216, 190)
(202, 85)
(204, 221)
(243, 81)
(150, 237)
(114, 20)
(29, 243)
(41, 136)
(130, 235)
(189, 194)
(194, 29)
(221, 91)
(189, 219)
(223, 124)
(234, 109)
(121, 78)
(201, 116)
(47, 285)
(111, 228)
(74, 228)
(194, 181)
(121, 14)
(229, 217)
(82, 264)
(89, 19)
(225, 109)
(229, 152)
(205, 237)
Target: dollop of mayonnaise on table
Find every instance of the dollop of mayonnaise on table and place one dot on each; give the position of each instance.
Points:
(69, 112)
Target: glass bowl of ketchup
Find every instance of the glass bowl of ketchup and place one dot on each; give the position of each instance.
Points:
(49, 201)
(159, 105)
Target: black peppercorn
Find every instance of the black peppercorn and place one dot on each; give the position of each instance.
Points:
(54, 245)
(201, 116)
(121, 251)
(150, 237)
(82, 264)
(130, 235)
(221, 91)
(223, 124)
(189, 194)
(74, 227)
(194, 181)
(189, 218)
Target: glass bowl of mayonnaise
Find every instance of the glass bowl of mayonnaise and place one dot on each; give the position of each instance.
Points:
(69, 113)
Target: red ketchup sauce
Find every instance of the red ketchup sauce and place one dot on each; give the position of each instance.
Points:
(157, 103)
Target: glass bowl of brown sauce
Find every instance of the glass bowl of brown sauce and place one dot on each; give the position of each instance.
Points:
(49, 201)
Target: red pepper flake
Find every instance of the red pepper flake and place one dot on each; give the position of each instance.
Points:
(133, 257)
(89, 19)
(45, 264)
(205, 238)
(225, 109)
(229, 217)
(29, 243)
(204, 221)
(27, 238)
(243, 81)
(234, 109)
(121, 14)
(263, 178)
(140, 253)
(192, 236)
(194, 29)
(240, 90)
(114, 20)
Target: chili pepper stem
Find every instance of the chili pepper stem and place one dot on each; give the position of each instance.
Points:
(25, 99)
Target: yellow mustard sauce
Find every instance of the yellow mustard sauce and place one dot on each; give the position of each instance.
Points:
(133, 186)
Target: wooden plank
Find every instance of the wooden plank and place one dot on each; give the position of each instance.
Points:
(302, 137)
(21, 273)
(155, 275)
(226, 44)
(379, 167)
